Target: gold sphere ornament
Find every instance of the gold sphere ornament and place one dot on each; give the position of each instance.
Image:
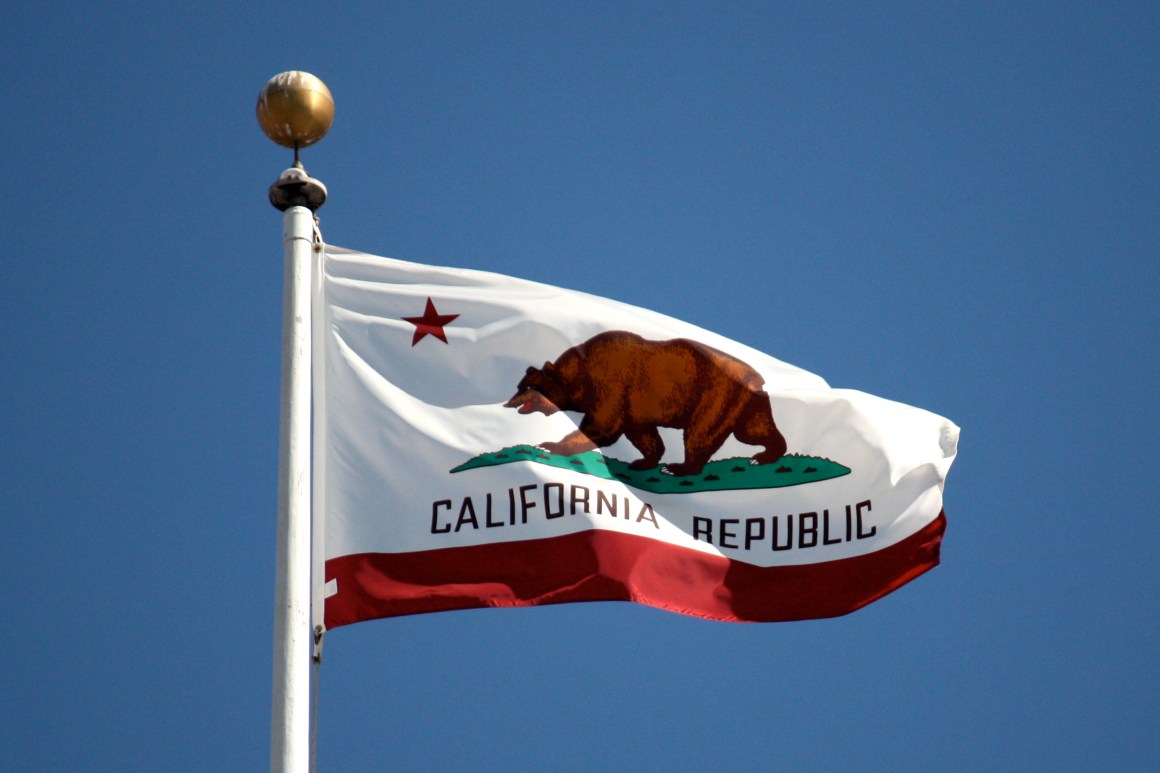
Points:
(295, 109)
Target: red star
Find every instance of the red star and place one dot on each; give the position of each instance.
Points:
(430, 324)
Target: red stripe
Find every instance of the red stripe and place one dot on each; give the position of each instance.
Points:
(599, 565)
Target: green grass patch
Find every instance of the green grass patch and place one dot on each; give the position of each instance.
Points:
(719, 475)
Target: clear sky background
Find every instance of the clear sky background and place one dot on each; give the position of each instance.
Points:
(954, 205)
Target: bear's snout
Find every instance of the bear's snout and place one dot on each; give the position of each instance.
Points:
(530, 401)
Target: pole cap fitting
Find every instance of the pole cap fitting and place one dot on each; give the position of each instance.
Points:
(295, 188)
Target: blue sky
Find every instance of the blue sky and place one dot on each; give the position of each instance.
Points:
(951, 205)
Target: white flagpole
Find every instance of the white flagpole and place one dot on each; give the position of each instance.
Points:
(295, 109)
(290, 739)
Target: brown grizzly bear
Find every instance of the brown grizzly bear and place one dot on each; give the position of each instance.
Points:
(627, 385)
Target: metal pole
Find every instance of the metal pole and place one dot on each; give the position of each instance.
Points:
(290, 738)
(295, 110)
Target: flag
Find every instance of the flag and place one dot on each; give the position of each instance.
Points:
(486, 441)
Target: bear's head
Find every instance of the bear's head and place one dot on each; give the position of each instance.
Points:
(540, 390)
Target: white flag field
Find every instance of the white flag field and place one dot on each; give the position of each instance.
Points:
(485, 441)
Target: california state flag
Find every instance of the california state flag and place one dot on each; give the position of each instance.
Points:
(482, 441)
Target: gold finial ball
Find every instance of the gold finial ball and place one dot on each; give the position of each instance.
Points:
(295, 109)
